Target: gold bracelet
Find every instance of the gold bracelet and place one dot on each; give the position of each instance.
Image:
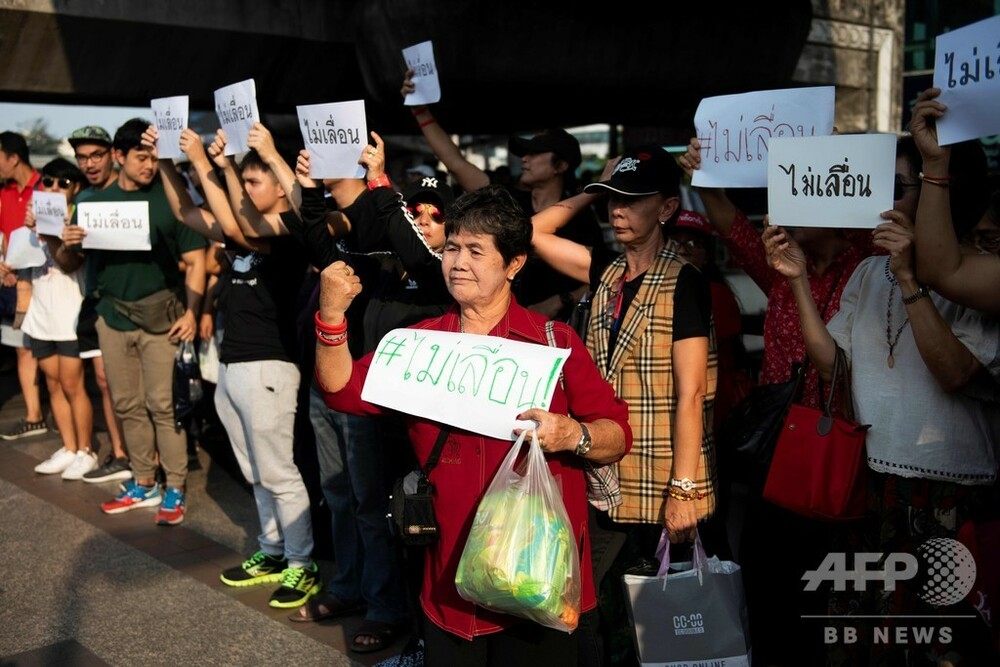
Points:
(681, 495)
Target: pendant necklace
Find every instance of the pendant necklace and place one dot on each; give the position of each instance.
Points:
(890, 339)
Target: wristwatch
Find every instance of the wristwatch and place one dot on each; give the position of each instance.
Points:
(685, 484)
(585, 443)
(916, 296)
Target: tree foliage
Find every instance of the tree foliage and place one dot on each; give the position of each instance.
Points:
(40, 141)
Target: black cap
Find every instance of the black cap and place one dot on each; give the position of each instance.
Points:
(644, 170)
(430, 187)
(558, 141)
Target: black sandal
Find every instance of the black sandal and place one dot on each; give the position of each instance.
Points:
(328, 606)
(384, 633)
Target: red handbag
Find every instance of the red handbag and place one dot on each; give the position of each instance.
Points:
(818, 468)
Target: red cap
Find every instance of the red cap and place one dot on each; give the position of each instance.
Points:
(695, 221)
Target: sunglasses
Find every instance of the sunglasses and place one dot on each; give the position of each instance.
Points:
(899, 187)
(96, 156)
(63, 183)
(437, 215)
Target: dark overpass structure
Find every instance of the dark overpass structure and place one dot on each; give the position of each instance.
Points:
(506, 66)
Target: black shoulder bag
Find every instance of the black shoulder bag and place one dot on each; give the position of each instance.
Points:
(411, 513)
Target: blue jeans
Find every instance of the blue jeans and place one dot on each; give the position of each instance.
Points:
(352, 472)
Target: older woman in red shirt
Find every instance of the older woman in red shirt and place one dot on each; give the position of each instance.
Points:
(488, 239)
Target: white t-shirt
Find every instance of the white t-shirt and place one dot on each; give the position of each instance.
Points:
(917, 429)
(55, 302)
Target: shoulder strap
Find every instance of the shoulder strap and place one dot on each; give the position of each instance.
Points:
(550, 334)
(432, 460)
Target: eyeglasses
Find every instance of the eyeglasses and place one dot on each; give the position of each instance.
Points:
(988, 242)
(899, 187)
(690, 244)
(430, 209)
(96, 156)
(63, 183)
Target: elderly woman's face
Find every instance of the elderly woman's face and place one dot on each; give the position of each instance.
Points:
(634, 219)
(474, 270)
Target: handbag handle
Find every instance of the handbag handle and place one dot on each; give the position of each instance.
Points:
(841, 375)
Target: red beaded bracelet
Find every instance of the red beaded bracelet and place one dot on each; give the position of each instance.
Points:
(426, 123)
(418, 110)
(382, 181)
(331, 329)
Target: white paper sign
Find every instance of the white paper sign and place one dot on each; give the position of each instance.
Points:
(734, 131)
(170, 115)
(236, 107)
(115, 225)
(50, 212)
(837, 181)
(25, 250)
(476, 383)
(334, 134)
(967, 70)
(427, 90)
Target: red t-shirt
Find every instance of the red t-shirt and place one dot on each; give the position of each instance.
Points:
(14, 202)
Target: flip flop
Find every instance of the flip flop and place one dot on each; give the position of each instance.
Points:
(327, 606)
(384, 633)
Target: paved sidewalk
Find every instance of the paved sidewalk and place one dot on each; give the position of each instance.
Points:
(83, 588)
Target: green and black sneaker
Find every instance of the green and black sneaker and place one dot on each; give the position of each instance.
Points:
(298, 584)
(261, 568)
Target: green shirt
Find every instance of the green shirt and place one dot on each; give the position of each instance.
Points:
(133, 274)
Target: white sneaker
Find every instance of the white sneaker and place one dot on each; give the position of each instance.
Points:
(83, 463)
(58, 462)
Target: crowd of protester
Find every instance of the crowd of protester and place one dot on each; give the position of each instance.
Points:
(298, 279)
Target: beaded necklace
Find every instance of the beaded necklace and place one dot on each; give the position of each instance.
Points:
(890, 339)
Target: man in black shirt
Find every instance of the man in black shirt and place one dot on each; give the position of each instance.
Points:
(257, 393)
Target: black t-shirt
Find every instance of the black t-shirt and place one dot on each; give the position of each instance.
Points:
(538, 281)
(692, 302)
(260, 313)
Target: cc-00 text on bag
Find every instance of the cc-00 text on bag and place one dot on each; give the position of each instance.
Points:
(693, 613)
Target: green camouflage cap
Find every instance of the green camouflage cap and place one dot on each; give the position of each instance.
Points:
(89, 134)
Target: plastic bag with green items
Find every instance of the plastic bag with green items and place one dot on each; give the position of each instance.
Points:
(521, 556)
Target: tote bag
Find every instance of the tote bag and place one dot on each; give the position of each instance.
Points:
(693, 613)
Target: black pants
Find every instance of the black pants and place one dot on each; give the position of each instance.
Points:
(526, 643)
